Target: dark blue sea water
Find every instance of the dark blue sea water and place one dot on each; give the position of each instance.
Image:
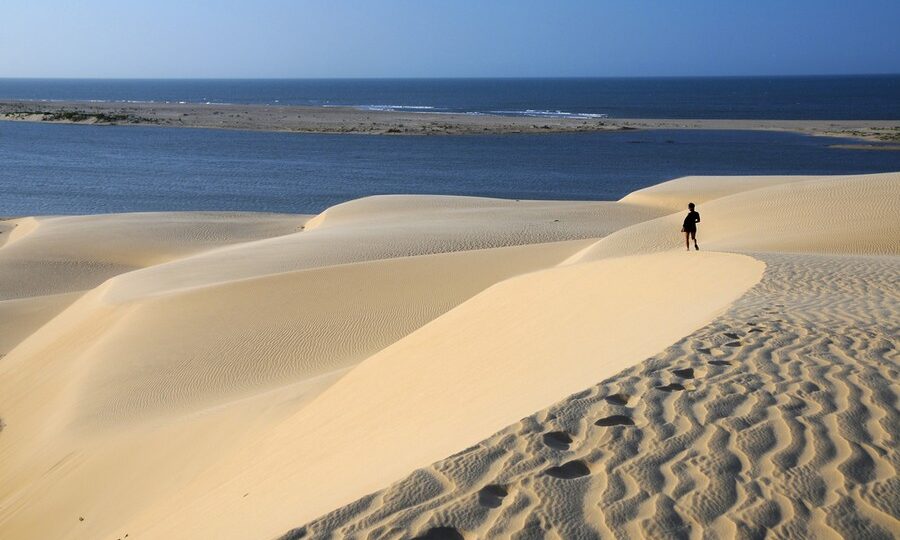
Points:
(825, 97)
(66, 169)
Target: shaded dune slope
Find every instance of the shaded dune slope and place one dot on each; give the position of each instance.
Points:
(47, 262)
(50, 255)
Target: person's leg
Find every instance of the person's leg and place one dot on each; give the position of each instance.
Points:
(687, 240)
(694, 238)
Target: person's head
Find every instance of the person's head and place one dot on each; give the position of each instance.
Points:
(691, 206)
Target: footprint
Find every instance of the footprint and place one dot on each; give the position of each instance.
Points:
(492, 495)
(569, 470)
(559, 440)
(756, 330)
(294, 534)
(615, 420)
(617, 399)
(441, 533)
(686, 373)
(720, 362)
(809, 387)
(671, 387)
(703, 350)
(731, 335)
(733, 344)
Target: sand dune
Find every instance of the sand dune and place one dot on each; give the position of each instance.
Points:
(279, 328)
(780, 416)
(387, 227)
(21, 317)
(52, 255)
(46, 262)
(842, 214)
(675, 194)
(215, 331)
(236, 375)
(465, 375)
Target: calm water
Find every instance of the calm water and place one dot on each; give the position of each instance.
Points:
(831, 97)
(64, 169)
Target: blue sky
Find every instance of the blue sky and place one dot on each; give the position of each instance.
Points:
(459, 38)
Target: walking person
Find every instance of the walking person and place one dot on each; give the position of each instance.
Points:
(689, 228)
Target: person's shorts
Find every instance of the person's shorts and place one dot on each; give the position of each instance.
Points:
(690, 230)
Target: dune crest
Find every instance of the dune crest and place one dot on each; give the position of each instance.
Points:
(852, 215)
(16, 229)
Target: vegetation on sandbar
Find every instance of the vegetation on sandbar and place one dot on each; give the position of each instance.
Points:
(70, 115)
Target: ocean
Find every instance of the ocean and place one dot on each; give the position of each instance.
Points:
(82, 169)
(77, 169)
(875, 97)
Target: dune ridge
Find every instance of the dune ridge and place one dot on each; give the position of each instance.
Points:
(841, 214)
(212, 375)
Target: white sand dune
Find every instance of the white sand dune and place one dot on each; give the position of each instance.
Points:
(46, 263)
(456, 381)
(279, 328)
(674, 194)
(52, 255)
(387, 227)
(840, 214)
(236, 375)
(191, 332)
(779, 418)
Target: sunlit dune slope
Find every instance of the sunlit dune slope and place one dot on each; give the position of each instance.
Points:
(511, 349)
(841, 214)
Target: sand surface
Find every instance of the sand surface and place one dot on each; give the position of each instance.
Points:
(778, 418)
(302, 119)
(233, 375)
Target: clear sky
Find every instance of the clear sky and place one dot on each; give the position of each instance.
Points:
(451, 38)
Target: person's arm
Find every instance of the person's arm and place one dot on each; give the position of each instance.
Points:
(698, 217)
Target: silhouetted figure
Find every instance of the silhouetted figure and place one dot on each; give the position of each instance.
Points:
(690, 227)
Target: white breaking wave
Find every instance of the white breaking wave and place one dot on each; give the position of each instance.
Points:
(528, 112)
(395, 107)
(551, 114)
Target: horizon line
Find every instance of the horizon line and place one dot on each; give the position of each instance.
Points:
(515, 77)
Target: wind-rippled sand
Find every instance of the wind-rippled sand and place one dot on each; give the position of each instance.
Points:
(233, 375)
(778, 418)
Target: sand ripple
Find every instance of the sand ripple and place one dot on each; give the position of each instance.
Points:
(788, 424)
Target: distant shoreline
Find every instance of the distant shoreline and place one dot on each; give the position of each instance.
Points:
(350, 120)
